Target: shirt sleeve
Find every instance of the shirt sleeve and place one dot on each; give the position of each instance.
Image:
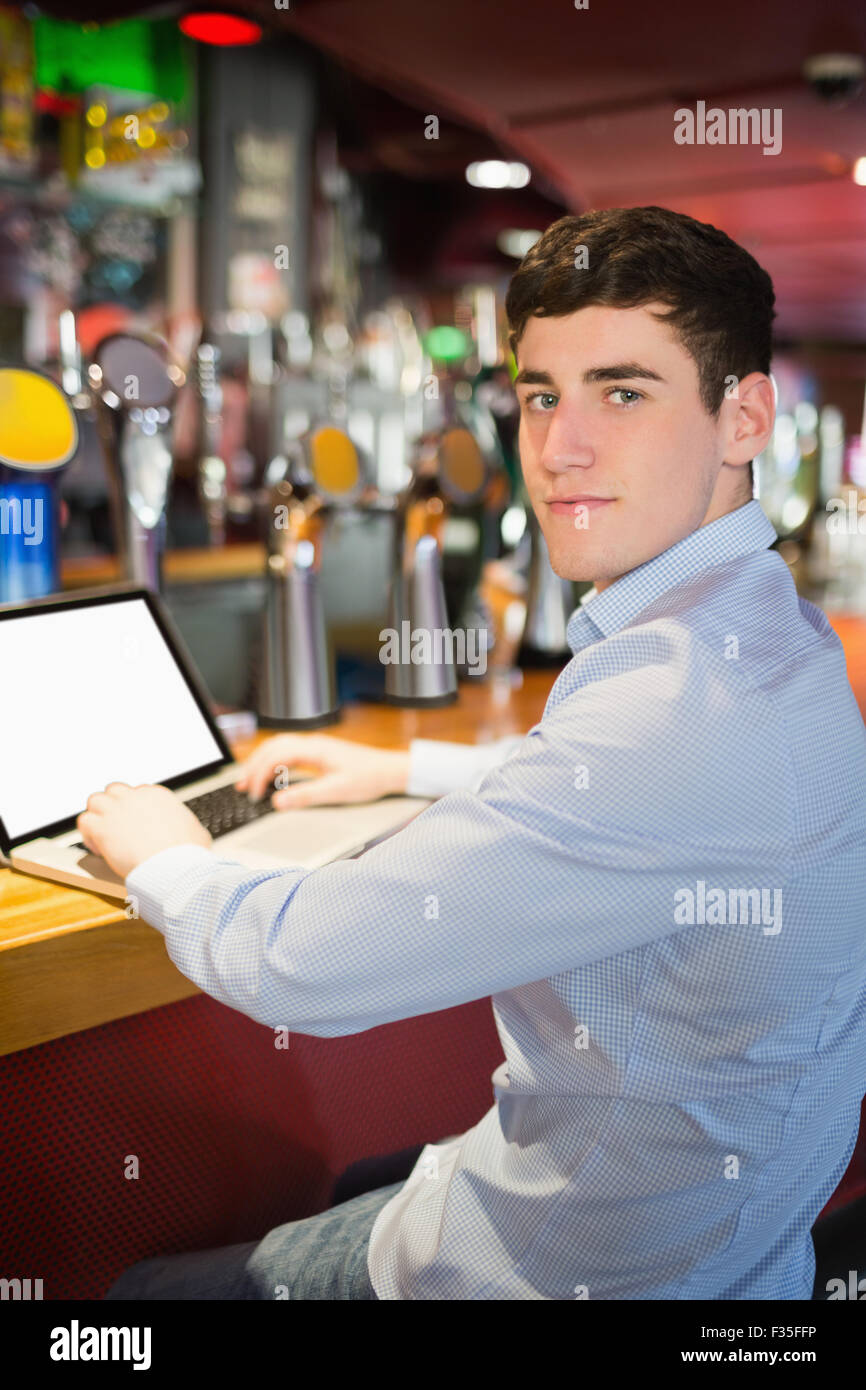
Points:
(570, 851)
(437, 767)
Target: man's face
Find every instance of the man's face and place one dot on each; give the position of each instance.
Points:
(610, 409)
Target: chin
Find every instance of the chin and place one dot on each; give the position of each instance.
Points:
(577, 574)
(577, 568)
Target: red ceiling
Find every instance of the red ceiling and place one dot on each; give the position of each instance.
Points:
(588, 96)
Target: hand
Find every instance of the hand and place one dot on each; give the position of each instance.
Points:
(126, 825)
(347, 771)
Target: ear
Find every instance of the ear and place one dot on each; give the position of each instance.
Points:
(748, 416)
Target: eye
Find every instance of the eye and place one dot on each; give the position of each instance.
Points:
(541, 396)
(624, 391)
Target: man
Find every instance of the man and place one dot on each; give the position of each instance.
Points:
(662, 885)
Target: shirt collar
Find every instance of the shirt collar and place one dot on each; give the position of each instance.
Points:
(733, 536)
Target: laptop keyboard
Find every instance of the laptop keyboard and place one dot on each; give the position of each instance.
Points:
(226, 808)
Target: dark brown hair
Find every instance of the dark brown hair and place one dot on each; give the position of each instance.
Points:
(720, 301)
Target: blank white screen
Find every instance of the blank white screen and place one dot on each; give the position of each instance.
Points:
(90, 696)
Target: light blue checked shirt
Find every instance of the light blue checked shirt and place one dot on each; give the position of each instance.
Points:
(663, 887)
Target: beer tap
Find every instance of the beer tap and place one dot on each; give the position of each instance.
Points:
(448, 469)
(135, 384)
(212, 472)
(296, 685)
(324, 472)
(549, 604)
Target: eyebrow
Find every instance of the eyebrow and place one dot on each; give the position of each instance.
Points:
(618, 371)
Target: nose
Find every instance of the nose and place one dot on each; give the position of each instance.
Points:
(566, 445)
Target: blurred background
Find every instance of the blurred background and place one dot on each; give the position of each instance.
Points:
(304, 219)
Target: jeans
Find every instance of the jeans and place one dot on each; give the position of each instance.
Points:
(322, 1256)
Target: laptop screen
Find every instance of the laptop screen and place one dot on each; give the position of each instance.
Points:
(93, 692)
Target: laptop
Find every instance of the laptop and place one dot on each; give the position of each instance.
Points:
(98, 688)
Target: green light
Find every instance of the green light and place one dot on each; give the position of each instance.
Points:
(446, 343)
(142, 55)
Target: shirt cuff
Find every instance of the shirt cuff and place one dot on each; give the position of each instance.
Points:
(151, 881)
(437, 767)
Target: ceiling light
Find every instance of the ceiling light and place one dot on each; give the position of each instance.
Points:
(223, 30)
(514, 242)
(497, 173)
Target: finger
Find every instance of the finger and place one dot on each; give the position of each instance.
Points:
(256, 769)
(317, 791)
(96, 800)
(262, 765)
(83, 824)
(117, 787)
